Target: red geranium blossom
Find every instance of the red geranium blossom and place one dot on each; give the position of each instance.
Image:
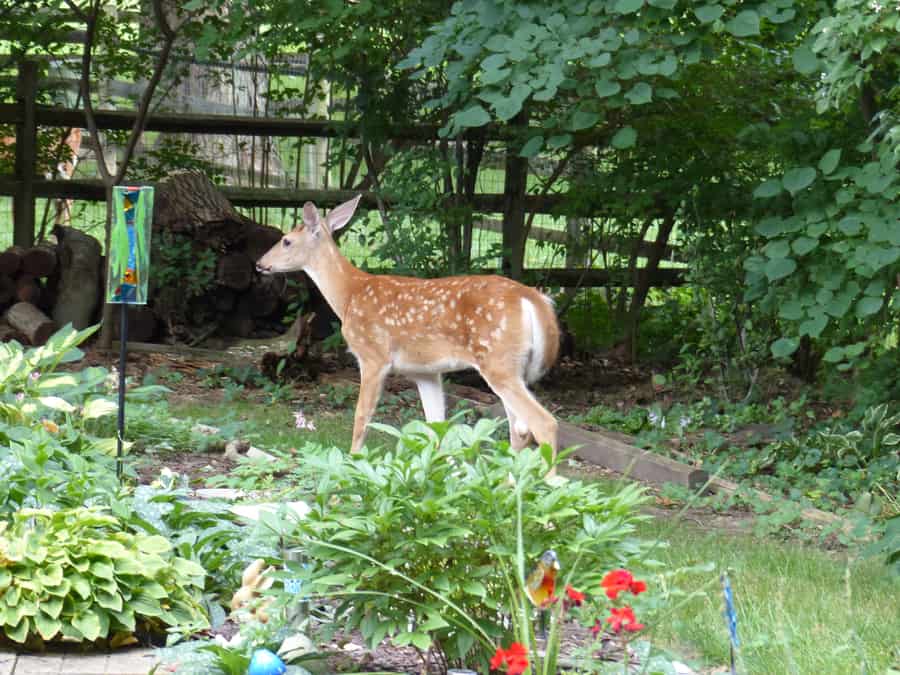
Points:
(514, 659)
(596, 628)
(621, 580)
(574, 597)
(623, 617)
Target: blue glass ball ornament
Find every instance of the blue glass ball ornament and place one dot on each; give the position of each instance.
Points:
(264, 662)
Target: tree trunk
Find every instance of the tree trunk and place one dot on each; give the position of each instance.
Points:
(8, 333)
(106, 328)
(80, 277)
(30, 321)
(235, 270)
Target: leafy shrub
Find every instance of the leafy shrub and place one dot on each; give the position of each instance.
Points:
(49, 451)
(417, 540)
(79, 574)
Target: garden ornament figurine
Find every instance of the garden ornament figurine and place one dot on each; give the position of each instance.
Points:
(423, 328)
(540, 586)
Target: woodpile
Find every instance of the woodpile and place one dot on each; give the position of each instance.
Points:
(203, 279)
(27, 293)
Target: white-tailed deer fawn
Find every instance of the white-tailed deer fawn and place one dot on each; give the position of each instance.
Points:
(423, 328)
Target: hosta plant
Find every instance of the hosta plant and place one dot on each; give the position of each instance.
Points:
(79, 574)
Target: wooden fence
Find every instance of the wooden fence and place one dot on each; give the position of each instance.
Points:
(24, 186)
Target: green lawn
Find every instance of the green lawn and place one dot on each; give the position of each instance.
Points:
(800, 610)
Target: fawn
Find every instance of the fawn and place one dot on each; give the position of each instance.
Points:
(422, 328)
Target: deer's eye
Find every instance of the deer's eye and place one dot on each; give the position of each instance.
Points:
(286, 242)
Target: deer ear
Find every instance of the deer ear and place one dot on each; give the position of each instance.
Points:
(310, 216)
(339, 216)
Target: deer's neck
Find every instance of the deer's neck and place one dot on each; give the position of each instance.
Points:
(335, 276)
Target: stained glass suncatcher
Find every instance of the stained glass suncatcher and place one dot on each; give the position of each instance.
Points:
(129, 251)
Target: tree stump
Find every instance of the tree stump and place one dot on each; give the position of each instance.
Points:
(260, 301)
(30, 321)
(259, 240)
(141, 323)
(11, 261)
(80, 278)
(235, 271)
(39, 261)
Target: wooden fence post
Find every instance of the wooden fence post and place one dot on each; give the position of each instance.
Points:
(515, 182)
(26, 155)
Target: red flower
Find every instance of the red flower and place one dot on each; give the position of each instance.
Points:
(514, 659)
(574, 597)
(623, 617)
(596, 628)
(621, 580)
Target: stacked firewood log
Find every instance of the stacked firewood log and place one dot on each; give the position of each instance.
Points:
(209, 289)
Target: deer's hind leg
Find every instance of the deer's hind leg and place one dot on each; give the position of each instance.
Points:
(431, 392)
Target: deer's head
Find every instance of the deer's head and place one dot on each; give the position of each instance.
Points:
(301, 245)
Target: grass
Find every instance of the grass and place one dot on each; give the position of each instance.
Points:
(800, 610)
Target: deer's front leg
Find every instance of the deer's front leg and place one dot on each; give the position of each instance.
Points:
(371, 377)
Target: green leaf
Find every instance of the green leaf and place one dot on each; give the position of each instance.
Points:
(98, 407)
(624, 138)
(834, 355)
(154, 544)
(532, 147)
(778, 268)
(867, 306)
(709, 13)
(792, 310)
(420, 640)
(584, 119)
(803, 245)
(805, 62)
(628, 6)
(850, 225)
(56, 403)
(47, 626)
(473, 116)
(89, 624)
(784, 347)
(829, 161)
(605, 88)
(640, 93)
(745, 24)
(797, 179)
(771, 188)
(557, 142)
(475, 588)
(814, 325)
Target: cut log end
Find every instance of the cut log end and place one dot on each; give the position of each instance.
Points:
(30, 321)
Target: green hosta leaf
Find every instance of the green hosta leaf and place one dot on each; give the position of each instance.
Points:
(867, 306)
(797, 179)
(154, 544)
(771, 188)
(805, 62)
(624, 138)
(112, 601)
(829, 161)
(473, 116)
(784, 347)
(52, 606)
(639, 94)
(709, 13)
(88, 624)
(628, 6)
(81, 586)
(56, 403)
(98, 407)
(47, 626)
(745, 24)
(19, 631)
(532, 147)
(778, 268)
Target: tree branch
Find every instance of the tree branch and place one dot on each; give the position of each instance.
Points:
(90, 21)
